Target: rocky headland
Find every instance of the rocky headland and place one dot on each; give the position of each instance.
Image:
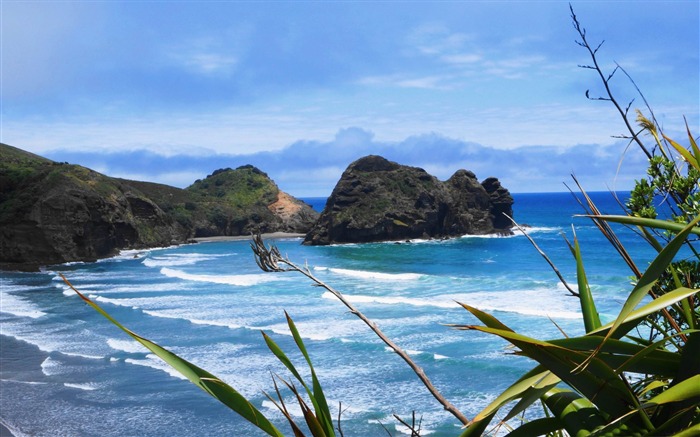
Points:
(53, 212)
(380, 200)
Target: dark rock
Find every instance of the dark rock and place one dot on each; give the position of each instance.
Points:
(379, 200)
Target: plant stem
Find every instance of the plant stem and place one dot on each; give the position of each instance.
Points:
(269, 260)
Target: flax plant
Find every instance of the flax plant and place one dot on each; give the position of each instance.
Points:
(612, 381)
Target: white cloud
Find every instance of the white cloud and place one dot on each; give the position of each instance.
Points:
(461, 59)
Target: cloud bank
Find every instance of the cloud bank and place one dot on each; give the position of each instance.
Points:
(309, 168)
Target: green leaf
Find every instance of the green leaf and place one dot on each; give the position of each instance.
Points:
(599, 382)
(515, 391)
(693, 431)
(577, 414)
(688, 389)
(320, 403)
(486, 319)
(211, 384)
(657, 267)
(625, 356)
(533, 394)
(638, 315)
(591, 319)
(543, 426)
(693, 143)
(647, 222)
(687, 156)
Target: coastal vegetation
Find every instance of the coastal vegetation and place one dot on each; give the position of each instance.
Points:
(52, 212)
(636, 375)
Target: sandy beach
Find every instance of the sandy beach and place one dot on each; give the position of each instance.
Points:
(268, 236)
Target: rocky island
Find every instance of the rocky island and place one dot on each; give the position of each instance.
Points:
(380, 200)
(52, 212)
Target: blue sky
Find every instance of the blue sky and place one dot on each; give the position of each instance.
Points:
(168, 91)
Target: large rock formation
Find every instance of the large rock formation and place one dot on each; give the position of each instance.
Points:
(56, 212)
(379, 200)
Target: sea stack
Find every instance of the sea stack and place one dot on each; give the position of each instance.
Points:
(380, 200)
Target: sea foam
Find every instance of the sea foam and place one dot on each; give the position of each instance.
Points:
(365, 274)
(238, 280)
(541, 302)
(16, 305)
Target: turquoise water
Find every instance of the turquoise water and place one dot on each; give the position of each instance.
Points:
(67, 371)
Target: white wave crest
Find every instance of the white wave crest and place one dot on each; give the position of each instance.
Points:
(180, 315)
(393, 300)
(238, 280)
(15, 305)
(539, 302)
(86, 386)
(178, 259)
(372, 275)
(131, 346)
(51, 366)
(154, 362)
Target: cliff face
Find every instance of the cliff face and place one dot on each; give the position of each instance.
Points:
(379, 200)
(53, 213)
(245, 200)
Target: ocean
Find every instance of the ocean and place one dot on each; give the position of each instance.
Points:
(67, 371)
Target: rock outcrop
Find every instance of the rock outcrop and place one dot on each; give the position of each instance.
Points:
(379, 200)
(54, 212)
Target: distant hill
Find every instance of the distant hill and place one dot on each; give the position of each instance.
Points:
(52, 212)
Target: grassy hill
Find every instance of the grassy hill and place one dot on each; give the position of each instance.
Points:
(53, 212)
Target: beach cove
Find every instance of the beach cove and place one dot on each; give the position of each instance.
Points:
(66, 370)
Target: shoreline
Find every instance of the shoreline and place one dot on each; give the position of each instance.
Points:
(267, 236)
(21, 363)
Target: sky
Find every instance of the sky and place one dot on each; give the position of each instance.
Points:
(169, 91)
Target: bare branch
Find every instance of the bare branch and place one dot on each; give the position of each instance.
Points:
(544, 255)
(592, 53)
(599, 45)
(270, 260)
(415, 431)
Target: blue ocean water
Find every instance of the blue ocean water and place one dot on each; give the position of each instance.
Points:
(68, 371)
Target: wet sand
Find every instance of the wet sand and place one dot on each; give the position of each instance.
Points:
(269, 236)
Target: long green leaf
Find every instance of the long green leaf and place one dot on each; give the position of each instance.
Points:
(693, 431)
(599, 383)
(685, 153)
(576, 413)
(515, 391)
(477, 429)
(277, 351)
(320, 404)
(636, 316)
(657, 267)
(591, 319)
(647, 223)
(543, 426)
(693, 143)
(526, 382)
(198, 376)
(634, 357)
(485, 318)
(688, 389)
(533, 394)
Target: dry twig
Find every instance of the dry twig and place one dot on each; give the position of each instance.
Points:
(270, 260)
